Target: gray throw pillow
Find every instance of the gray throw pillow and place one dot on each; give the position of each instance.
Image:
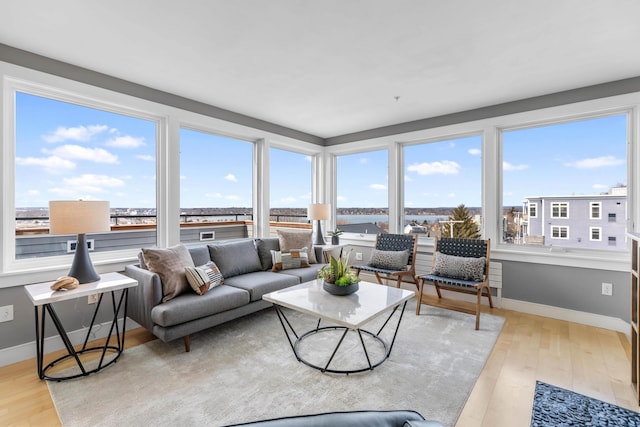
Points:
(457, 267)
(235, 258)
(389, 260)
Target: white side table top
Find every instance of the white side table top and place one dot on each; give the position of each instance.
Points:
(41, 293)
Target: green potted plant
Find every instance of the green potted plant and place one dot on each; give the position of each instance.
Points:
(335, 236)
(338, 277)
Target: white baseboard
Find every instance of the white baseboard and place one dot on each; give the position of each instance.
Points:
(27, 351)
(582, 317)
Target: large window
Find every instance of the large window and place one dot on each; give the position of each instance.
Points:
(290, 189)
(363, 193)
(67, 151)
(443, 188)
(216, 186)
(575, 171)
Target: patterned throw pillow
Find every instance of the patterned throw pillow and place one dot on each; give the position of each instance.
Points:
(389, 260)
(204, 277)
(295, 258)
(458, 267)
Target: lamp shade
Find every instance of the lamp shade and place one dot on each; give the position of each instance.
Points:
(318, 211)
(78, 217)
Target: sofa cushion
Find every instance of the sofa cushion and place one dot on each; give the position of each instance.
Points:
(200, 255)
(295, 258)
(304, 274)
(234, 258)
(204, 277)
(190, 306)
(295, 240)
(261, 282)
(169, 264)
(265, 246)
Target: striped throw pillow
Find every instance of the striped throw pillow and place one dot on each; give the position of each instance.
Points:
(295, 258)
(204, 277)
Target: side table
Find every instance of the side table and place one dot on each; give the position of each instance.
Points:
(43, 299)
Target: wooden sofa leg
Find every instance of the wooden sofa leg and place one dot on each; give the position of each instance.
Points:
(187, 344)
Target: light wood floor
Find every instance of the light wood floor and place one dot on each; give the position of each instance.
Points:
(588, 360)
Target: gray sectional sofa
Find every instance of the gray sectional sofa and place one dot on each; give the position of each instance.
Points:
(246, 267)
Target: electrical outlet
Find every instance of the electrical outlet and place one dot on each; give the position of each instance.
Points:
(6, 313)
(92, 299)
(607, 289)
(358, 256)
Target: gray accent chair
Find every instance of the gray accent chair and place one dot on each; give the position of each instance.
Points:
(397, 418)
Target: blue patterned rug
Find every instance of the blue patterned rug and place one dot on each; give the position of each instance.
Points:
(558, 407)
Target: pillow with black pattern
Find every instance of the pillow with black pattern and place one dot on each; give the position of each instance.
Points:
(458, 267)
(294, 258)
(204, 277)
(389, 260)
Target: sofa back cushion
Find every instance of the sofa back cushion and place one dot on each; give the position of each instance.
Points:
(235, 258)
(265, 246)
(200, 255)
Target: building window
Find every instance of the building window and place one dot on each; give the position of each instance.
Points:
(595, 234)
(290, 185)
(559, 232)
(363, 192)
(588, 166)
(69, 151)
(612, 217)
(612, 240)
(442, 188)
(216, 186)
(533, 210)
(560, 210)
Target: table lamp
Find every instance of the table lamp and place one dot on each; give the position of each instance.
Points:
(80, 217)
(319, 212)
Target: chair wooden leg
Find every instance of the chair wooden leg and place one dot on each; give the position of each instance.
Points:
(489, 296)
(435, 283)
(187, 343)
(478, 308)
(398, 281)
(419, 302)
(379, 279)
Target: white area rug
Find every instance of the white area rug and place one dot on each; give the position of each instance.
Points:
(245, 371)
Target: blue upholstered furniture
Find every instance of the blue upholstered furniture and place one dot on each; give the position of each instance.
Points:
(387, 242)
(350, 419)
(462, 254)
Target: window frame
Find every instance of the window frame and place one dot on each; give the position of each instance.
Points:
(599, 206)
(534, 207)
(599, 230)
(560, 229)
(559, 205)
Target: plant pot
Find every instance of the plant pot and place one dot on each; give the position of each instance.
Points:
(335, 240)
(340, 290)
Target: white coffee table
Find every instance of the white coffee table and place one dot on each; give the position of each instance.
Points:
(343, 313)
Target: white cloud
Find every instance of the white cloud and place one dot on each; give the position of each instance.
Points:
(232, 197)
(308, 158)
(474, 151)
(599, 187)
(231, 177)
(52, 164)
(445, 167)
(286, 200)
(33, 192)
(363, 160)
(341, 199)
(145, 157)
(407, 178)
(378, 186)
(596, 162)
(506, 166)
(97, 155)
(126, 142)
(213, 195)
(79, 133)
(99, 182)
(451, 195)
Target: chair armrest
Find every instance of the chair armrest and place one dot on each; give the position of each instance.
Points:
(144, 297)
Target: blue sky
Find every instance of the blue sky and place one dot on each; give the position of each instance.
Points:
(65, 151)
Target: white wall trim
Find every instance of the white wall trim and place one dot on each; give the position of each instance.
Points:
(27, 351)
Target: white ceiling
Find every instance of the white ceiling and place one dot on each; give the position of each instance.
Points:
(334, 67)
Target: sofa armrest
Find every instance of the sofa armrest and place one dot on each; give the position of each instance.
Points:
(144, 297)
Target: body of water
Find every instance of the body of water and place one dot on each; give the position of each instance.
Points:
(356, 219)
